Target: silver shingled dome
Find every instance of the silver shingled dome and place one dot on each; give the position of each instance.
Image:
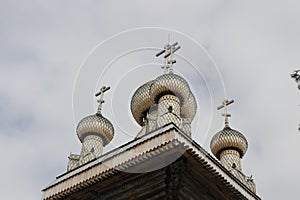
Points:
(228, 139)
(188, 109)
(141, 102)
(170, 84)
(149, 93)
(95, 125)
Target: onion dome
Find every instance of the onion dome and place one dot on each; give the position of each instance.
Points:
(228, 139)
(188, 110)
(170, 84)
(141, 102)
(95, 125)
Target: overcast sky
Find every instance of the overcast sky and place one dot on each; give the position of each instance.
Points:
(50, 49)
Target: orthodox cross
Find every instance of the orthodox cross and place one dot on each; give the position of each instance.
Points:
(224, 105)
(296, 76)
(101, 100)
(169, 51)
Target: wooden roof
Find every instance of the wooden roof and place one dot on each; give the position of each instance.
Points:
(114, 175)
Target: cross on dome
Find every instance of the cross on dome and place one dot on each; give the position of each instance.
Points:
(101, 100)
(169, 51)
(224, 105)
(296, 76)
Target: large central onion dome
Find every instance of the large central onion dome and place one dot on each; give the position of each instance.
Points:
(228, 139)
(149, 93)
(170, 84)
(95, 125)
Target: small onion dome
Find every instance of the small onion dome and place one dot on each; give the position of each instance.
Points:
(188, 110)
(95, 125)
(170, 84)
(141, 102)
(228, 139)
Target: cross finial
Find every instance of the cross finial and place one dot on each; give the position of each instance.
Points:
(169, 51)
(296, 76)
(224, 105)
(101, 100)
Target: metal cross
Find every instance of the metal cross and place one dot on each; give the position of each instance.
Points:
(169, 51)
(224, 105)
(296, 76)
(101, 100)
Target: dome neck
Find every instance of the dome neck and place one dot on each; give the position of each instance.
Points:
(99, 109)
(227, 121)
